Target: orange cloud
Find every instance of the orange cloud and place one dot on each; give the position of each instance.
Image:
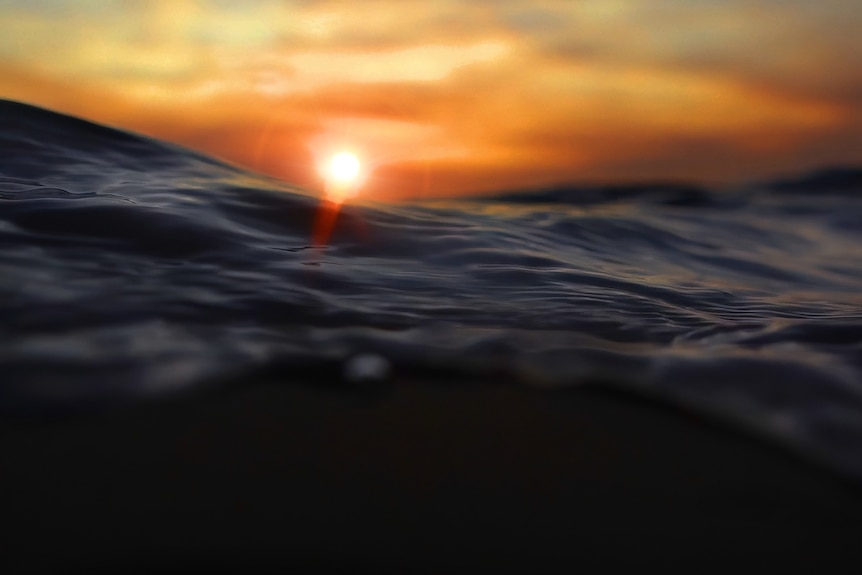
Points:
(451, 97)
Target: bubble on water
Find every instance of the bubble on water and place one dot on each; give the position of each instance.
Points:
(366, 367)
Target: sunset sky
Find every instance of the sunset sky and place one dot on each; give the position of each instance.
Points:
(447, 96)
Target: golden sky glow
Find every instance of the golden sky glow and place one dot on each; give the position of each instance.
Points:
(450, 96)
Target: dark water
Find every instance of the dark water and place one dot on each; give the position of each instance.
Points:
(131, 268)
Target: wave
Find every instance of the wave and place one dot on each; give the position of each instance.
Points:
(132, 268)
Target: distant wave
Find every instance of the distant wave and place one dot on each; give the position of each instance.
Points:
(839, 180)
(132, 268)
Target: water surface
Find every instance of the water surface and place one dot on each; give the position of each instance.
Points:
(131, 268)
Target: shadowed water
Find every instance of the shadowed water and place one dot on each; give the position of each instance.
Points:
(131, 268)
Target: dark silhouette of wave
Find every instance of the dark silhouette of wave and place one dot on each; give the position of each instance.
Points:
(669, 193)
(832, 180)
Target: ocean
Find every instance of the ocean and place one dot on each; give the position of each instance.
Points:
(133, 269)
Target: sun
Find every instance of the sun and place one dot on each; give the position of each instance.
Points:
(344, 167)
(342, 182)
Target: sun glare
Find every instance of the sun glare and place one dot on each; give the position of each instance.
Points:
(342, 182)
(344, 167)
